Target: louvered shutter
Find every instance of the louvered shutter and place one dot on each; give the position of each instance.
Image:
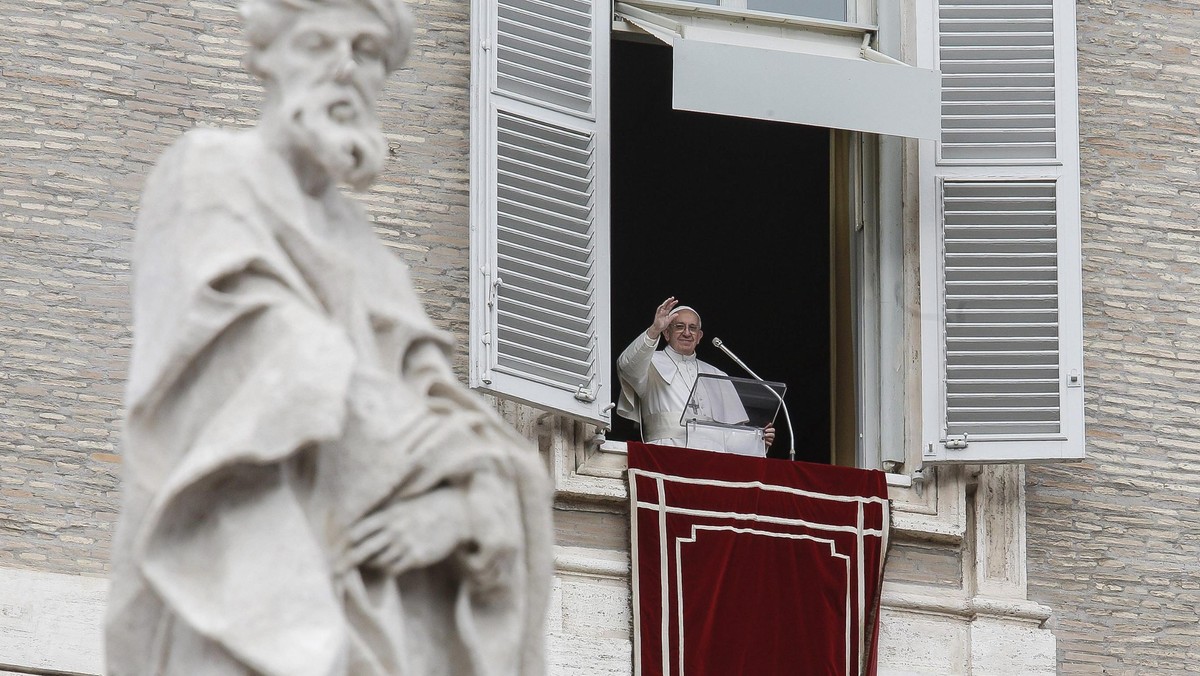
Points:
(1001, 296)
(539, 172)
(998, 87)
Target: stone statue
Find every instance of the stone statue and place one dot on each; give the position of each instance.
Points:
(308, 489)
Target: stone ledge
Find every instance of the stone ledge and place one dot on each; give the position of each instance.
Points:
(591, 562)
(51, 623)
(934, 602)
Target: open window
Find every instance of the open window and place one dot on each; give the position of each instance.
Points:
(743, 178)
(731, 215)
(828, 107)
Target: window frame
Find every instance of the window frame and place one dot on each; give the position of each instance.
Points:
(892, 360)
(853, 10)
(742, 6)
(869, 409)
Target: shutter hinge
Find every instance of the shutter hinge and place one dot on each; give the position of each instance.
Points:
(955, 442)
(494, 290)
(584, 392)
(1074, 379)
(486, 339)
(485, 45)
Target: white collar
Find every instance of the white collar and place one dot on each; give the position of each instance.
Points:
(677, 356)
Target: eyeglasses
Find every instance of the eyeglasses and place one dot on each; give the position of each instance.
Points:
(690, 327)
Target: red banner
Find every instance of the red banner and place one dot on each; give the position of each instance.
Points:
(754, 565)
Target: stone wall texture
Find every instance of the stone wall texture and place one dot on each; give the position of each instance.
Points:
(91, 92)
(1114, 542)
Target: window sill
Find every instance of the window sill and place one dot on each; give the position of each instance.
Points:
(620, 447)
(602, 478)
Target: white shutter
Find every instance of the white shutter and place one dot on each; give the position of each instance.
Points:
(1000, 254)
(998, 89)
(1000, 261)
(539, 175)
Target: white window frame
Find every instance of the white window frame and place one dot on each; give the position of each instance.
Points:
(890, 430)
(741, 7)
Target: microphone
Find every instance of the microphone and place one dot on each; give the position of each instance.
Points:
(720, 345)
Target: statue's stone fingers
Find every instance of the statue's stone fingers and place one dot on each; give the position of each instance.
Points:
(368, 526)
(366, 549)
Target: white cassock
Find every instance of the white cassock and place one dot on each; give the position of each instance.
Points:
(655, 386)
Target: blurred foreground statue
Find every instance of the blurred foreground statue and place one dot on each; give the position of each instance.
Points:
(308, 489)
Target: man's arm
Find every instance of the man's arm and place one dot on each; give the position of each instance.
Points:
(634, 362)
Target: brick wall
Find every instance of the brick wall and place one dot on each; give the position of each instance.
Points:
(1114, 542)
(91, 92)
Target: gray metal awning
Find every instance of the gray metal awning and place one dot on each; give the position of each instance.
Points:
(821, 78)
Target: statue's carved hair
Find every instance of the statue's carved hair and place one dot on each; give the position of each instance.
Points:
(265, 20)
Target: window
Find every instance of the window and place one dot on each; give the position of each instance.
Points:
(542, 257)
(731, 215)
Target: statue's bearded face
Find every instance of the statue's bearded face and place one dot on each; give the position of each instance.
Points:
(326, 72)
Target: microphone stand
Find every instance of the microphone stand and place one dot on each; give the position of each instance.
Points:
(720, 345)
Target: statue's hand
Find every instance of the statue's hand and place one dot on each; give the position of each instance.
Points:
(490, 557)
(409, 534)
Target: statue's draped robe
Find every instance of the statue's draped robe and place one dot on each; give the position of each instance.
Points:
(285, 382)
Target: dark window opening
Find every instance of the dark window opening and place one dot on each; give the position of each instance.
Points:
(732, 216)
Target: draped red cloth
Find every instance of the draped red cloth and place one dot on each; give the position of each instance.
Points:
(754, 565)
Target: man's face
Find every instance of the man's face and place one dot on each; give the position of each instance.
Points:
(327, 71)
(683, 333)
